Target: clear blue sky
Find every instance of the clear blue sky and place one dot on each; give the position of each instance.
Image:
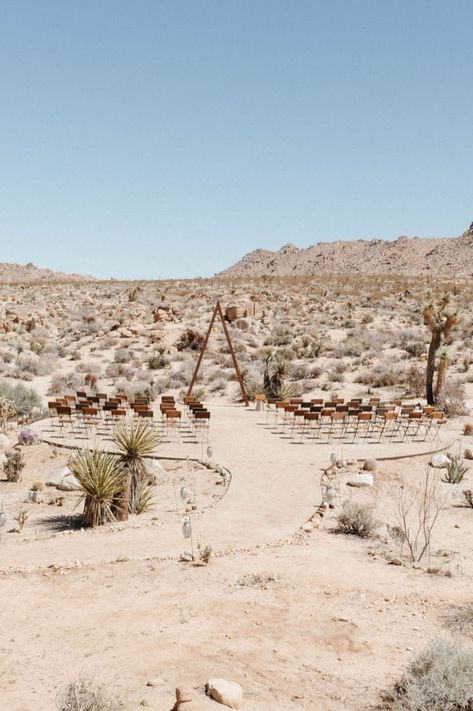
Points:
(154, 138)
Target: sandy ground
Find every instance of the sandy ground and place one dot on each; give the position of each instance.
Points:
(301, 620)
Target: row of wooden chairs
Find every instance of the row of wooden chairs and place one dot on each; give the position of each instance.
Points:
(352, 421)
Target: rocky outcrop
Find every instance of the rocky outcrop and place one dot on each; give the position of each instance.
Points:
(404, 255)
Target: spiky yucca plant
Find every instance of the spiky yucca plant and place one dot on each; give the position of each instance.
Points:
(134, 439)
(101, 476)
(144, 497)
(455, 472)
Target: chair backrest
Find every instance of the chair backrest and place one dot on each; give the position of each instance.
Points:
(63, 410)
(327, 412)
(118, 412)
(202, 415)
(173, 414)
(145, 413)
(311, 416)
(365, 416)
(338, 416)
(81, 393)
(390, 416)
(89, 411)
(317, 401)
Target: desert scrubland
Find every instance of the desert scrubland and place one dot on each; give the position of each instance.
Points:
(299, 614)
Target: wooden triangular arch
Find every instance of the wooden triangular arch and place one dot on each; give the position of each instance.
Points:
(218, 312)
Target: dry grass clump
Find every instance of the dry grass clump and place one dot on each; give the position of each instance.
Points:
(85, 694)
(438, 679)
(460, 619)
(356, 519)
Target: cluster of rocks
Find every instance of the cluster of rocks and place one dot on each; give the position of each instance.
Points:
(227, 693)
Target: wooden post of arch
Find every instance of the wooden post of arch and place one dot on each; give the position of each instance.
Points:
(218, 312)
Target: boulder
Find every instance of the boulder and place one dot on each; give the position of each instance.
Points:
(370, 465)
(440, 461)
(63, 479)
(236, 311)
(27, 436)
(161, 315)
(4, 441)
(361, 479)
(228, 693)
(156, 472)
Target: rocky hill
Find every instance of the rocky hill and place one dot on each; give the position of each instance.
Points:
(19, 273)
(405, 255)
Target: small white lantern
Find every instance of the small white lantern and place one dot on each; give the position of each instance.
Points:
(186, 529)
(184, 493)
(209, 452)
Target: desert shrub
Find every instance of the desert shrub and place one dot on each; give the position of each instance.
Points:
(452, 399)
(414, 381)
(7, 411)
(414, 349)
(438, 679)
(24, 399)
(13, 465)
(417, 510)
(86, 695)
(378, 378)
(356, 519)
(157, 361)
(122, 355)
(455, 472)
(468, 497)
(460, 619)
(468, 429)
(62, 383)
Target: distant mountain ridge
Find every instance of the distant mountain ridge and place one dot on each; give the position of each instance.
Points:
(24, 273)
(405, 255)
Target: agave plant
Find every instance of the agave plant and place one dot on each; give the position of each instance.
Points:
(101, 476)
(455, 472)
(134, 439)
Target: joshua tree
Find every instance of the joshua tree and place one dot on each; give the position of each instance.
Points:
(440, 318)
(442, 365)
(135, 439)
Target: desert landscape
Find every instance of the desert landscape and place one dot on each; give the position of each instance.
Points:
(309, 563)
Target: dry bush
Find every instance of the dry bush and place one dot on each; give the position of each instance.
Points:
(452, 399)
(414, 380)
(356, 519)
(438, 679)
(417, 511)
(86, 694)
(468, 497)
(460, 619)
(13, 465)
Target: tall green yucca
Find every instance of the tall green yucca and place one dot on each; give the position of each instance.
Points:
(101, 476)
(134, 439)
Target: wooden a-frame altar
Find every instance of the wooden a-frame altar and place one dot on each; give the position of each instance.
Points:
(218, 312)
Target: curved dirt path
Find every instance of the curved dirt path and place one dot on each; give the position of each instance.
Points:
(274, 490)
